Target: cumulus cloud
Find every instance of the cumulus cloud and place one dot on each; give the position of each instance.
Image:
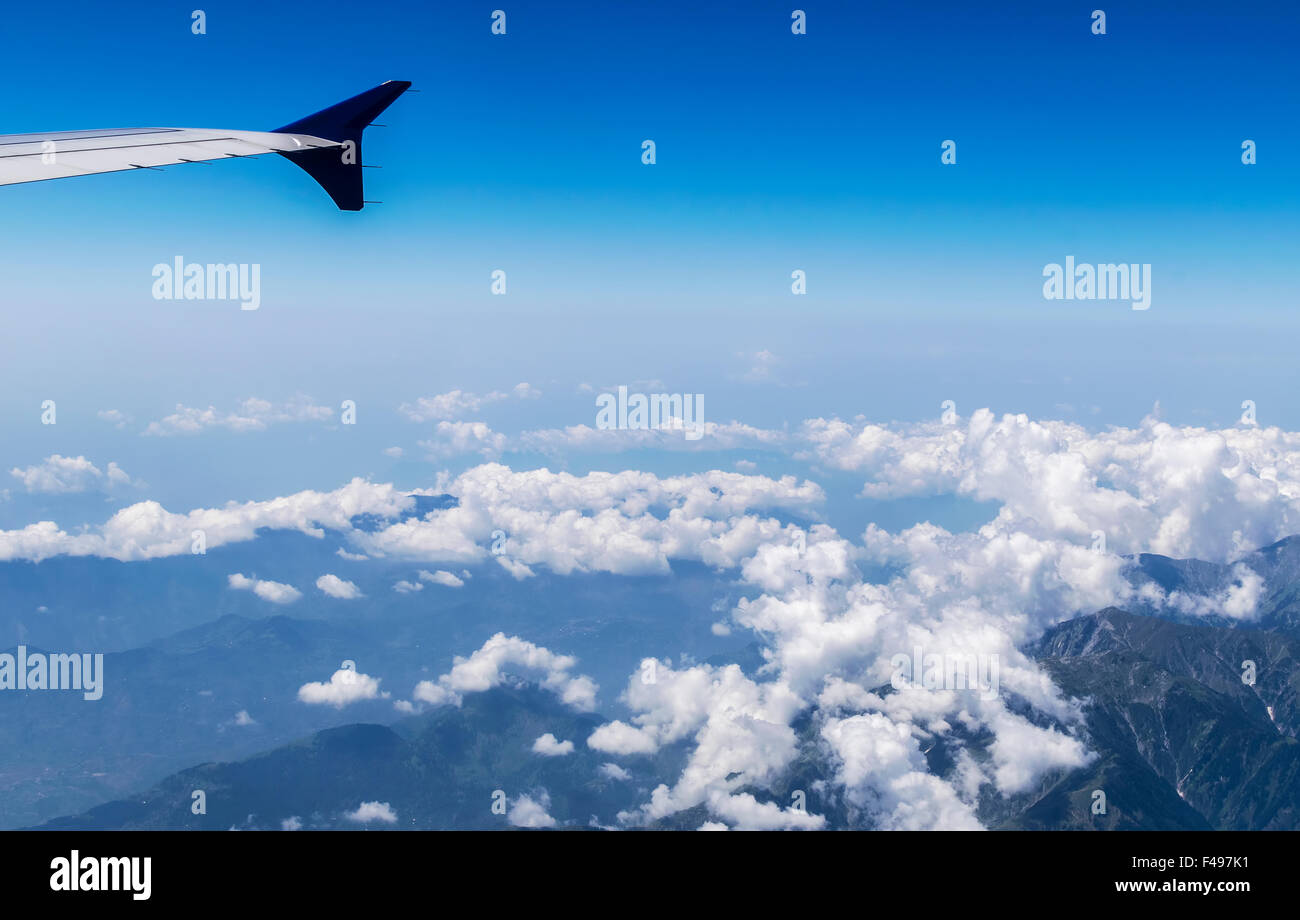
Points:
(618, 737)
(61, 475)
(746, 813)
(502, 657)
(451, 439)
(251, 414)
(345, 686)
(440, 577)
(372, 812)
(830, 638)
(613, 771)
(740, 731)
(529, 812)
(337, 587)
(457, 403)
(549, 746)
(884, 774)
(1179, 491)
(273, 591)
(146, 530)
(597, 522)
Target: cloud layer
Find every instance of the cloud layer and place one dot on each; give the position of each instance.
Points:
(831, 612)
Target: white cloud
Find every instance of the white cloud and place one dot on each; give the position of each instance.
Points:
(884, 774)
(115, 417)
(345, 686)
(618, 737)
(613, 771)
(337, 587)
(242, 718)
(292, 823)
(597, 522)
(453, 439)
(371, 812)
(457, 403)
(530, 812)
(446, 406)
(1023, 751)
(441, 577)
(740, 730)
(1182, 492)
(146, 530)
(748, 814)
(549, 746)
(273, 591)
(61, 475)
(502, 656)
(407, 587)
(251, 414)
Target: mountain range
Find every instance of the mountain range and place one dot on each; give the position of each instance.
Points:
(1181, 739)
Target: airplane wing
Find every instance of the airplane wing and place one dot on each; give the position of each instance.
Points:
(36, 157)
(327, 145)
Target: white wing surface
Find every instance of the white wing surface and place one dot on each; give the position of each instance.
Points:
(35, 157)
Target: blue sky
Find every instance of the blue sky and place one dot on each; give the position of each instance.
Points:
(775, 152)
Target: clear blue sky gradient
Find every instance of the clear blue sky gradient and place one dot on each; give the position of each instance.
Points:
(775, 152)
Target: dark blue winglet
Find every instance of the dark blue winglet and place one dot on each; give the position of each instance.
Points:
(339, 171)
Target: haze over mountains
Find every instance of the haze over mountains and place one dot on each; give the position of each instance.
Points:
(176, 700)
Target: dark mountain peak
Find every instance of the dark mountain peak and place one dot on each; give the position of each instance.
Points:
(1288, 548)
(363, 738)
(1091, 634)
(232, 631)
